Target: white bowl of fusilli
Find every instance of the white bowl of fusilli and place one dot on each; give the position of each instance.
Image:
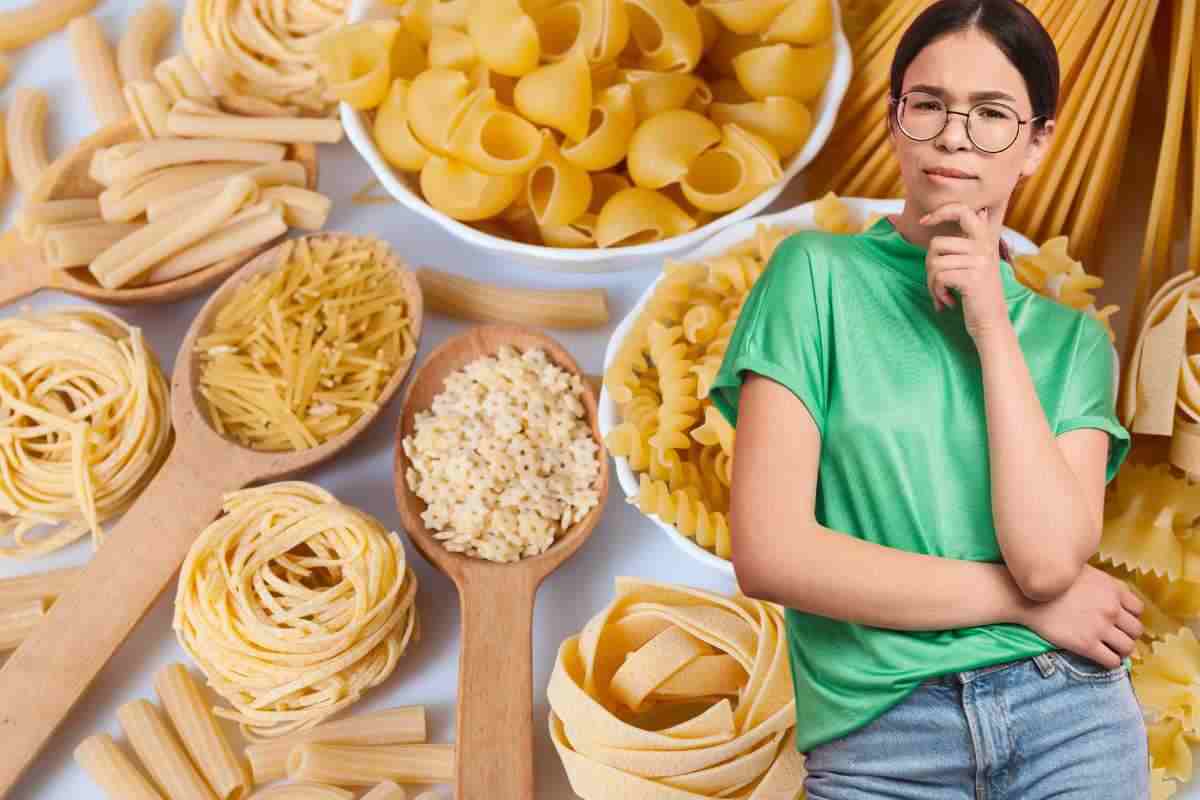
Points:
(684, 490)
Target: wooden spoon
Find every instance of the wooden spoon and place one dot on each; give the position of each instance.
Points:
(52, 668)
(494, 740)
(23, 270)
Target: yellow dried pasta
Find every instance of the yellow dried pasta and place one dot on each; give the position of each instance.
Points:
(618, 686)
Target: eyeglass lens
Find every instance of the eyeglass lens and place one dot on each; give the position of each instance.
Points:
(990, 126)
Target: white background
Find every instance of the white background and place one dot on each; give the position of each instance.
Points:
(625, 543)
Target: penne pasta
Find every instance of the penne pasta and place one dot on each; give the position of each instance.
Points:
(126, 200)
(126, 162)
(113, 771)
(78, 243)
(226, 773)
(405, 725)
(149, 105)
(386, 791)
(26, 137)
(137, 52)
(303, 791)
(348, 765)
(96, 65)
(464, 298)
(286, 173)
(26, 25)
(138, 252)
(15, 591)
(33, 218)
(267, 129)
(161, 753)
(18, 621)
(250, 228)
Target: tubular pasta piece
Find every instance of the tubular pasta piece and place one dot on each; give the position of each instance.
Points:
(347, 765)
(137, 52)
(303, 791)
(637, 215)
(125, 201)
(40, 18)
(226, 773)
(559, 191)
(464, 298)
(42, 585)
(283, 173)
(392, 135)
(404, 725)
(161, 753)
(504, 36)
(803, 22)
(267, 129)
(558, 95)
(138, 252)
(302, 208)
(729, 175)
(251, 227)
(493, 140)
(119, 163)
(613, 120)
(96, 65)
(747, 16)
(149, 105)
(386, 791)
(26, 137)
(664, 147)
(34, 217)
(785, 122)
(77, 243)
(679, 645)
(113, 771)
(464, 193)
(666, 34)
(180, 79)
(781, 69)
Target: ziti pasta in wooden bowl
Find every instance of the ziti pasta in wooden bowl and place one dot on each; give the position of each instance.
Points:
(68, 218)
(288, 361)
(498, 407)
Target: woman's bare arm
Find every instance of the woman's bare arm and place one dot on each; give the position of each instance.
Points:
(781, 553)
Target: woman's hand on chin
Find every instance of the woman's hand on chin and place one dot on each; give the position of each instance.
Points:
(969, 264)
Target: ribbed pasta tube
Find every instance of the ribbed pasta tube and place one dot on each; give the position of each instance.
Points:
(112, 770)
(161, 753)
(347, 765)
(465, 298)
(26, 137)
(225, 771)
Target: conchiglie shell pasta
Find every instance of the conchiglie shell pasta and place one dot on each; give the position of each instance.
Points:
(730, 174)
(450, 48)
(746, 16)
(392, 134)
(558, 95)
(598, 28)
(492, 139)
(464, 193)
(783, 121)
(803, 22)
(613, 121)
(666, 34)
(582, 231)
(655, 92)
(729, 45)
(357, 64)
(558, 191)
(505, 37)
(664, 146)
(433, 98)
(780, 69)
(637, 215)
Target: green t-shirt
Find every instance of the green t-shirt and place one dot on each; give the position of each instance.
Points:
(846, 323)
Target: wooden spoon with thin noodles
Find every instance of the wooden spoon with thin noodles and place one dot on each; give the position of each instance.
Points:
(53, 667)
(23, 269)
(494, 729)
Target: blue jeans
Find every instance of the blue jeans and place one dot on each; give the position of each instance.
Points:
(1053, 726)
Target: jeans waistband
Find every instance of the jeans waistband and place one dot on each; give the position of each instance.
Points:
(1043, 661)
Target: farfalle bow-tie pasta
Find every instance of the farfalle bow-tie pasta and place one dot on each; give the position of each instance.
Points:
(674, 693)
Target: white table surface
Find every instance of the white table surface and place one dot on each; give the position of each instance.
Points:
(625, 543)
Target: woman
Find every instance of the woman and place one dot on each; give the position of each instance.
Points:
(922, 450)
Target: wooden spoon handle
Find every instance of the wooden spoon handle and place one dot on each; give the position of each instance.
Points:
(54, 666)
(494, 737)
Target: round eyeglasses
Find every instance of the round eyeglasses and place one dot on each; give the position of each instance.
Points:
(991, 126)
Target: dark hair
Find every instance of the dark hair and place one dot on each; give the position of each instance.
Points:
(1014, 29)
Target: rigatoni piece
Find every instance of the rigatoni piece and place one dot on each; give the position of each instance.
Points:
(289, 173)
(139, 252)
(130, 160)
(34, 218)
(137, 52)
(96, 65)
(15, 591)
(77, 244)
(161, 753)
(251, 227)
(124, 201)
(226, 773)
(303, 791)
(17, 622)
(405, 725)
(386, 791)
(111, 770)
(266, 129)
(26, 137)
(350, 765)
(456, 296)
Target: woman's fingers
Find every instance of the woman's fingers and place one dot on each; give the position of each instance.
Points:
(1118, 641)
(971, 221)
(1132, 603)
(949, 245)
(1131, 625)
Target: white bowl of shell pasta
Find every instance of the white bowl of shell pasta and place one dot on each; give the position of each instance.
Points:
(650, 472)
(650, 202)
